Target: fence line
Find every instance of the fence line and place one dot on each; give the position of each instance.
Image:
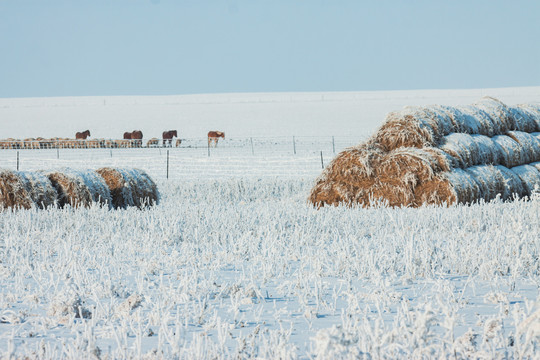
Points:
(178, 143)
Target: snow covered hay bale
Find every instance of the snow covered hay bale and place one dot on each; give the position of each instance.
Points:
(365, 175)
(39, 188)
(80, 188)
(530, 178)
(13, 194)
(130, 187)
(438, 155)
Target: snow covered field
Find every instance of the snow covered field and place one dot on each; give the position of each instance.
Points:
(235, 263)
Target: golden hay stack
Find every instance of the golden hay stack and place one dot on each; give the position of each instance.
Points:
(39, 188)
(79, 187)
(12, 191)
(438, 155)
(365, 175)
(130, 187)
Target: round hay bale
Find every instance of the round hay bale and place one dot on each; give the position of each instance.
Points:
(536, 165)
(486, 126)
(409, 166)
(488, 151)
(501, 116)
(13, 194)
(533, 111)
(465, 188)
(39, 188)
(525, 119)
(79, 187)
(513, 154)
(462, 148)
(351, 170)
(403, 129)
(513, 186)
(489, 179)
(130, 187)
(529, 143)
(437, 191)
(530, 177)
(464, 122)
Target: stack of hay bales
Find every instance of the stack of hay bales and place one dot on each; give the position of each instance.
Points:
(439, 155)
(108, 187)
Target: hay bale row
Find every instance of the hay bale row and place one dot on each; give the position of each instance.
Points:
(77, 188)
(514, 149)
(426, 126)
(483, 182)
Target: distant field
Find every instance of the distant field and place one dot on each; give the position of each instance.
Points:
(235, 263)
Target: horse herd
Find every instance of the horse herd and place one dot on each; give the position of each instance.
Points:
(133, 139)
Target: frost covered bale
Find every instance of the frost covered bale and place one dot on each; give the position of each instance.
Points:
(533, 112)
(502, 119)
(130, 187)
(462, 148)
(526, 118)
(79, 187)
(365, 175)
(410, 166)
(343, 178)
(39, 188)
(530, 177)
(513, 186)
(513, 153)
(489, 179)
(411, 127)
(437, 191)
(13, 194)
(530, 145)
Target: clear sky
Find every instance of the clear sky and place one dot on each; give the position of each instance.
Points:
(161, 47)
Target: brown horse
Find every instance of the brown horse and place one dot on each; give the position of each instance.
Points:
(82, 135)
(168, 136)
(137, 135)
(213, 136)
(127, 135)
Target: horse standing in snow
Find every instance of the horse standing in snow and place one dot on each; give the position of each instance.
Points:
(168, 136)
(213, 136)
(82, 135)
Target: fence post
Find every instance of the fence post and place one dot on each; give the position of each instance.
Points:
(57, 153)
(252, 151)
(322, 162)
(333, 145)
(294, 144)
(167, 164)
(208, 148)
(17, 161)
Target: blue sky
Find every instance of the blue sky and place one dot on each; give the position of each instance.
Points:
(161, 47)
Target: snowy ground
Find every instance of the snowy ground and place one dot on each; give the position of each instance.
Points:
(235, 263)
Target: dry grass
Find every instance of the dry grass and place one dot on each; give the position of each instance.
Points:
(12, 191)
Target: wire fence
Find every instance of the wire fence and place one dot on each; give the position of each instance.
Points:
(287, 156)
(282, 143)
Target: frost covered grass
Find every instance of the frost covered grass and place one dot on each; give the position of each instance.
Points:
(244, 267)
